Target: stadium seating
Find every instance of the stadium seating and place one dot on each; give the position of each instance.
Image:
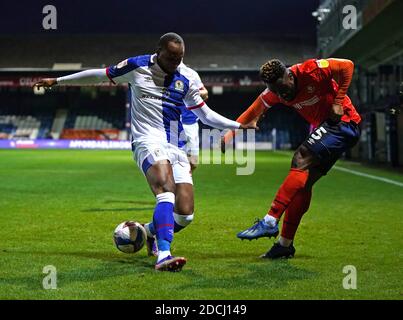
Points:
(91, 122)
(94, 118)
(18, 126)
(18, 123)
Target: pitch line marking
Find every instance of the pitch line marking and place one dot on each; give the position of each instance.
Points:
(370, 176)
(358, 173)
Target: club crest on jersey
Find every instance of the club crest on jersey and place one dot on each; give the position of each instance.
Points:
(121, 64)
(310, 89)
(179, 85)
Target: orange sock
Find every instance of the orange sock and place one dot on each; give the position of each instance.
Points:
(298, 206)
(294, 182)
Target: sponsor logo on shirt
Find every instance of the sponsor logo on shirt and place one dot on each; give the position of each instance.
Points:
(121, 64)
(147, 96)
(322, 63)
(309, 102)
(157, 153)
(165, 92)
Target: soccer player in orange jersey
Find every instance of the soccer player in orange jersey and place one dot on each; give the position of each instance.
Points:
(316, 89)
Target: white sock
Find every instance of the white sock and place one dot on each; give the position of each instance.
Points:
(284, 242)
(163, 254)
(270, 220)
(182, 221)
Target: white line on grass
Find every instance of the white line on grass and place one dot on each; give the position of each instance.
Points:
(370, 176)
(357, 173)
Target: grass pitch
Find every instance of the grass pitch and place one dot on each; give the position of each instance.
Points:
(60, 208)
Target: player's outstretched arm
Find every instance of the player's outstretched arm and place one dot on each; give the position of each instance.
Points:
(342, 71)
(92, 76)
(250, 116)
(213, 119)
(45, 83)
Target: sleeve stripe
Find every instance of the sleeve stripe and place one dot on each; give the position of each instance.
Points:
(109, 76)
(264, 102)
(196, 107)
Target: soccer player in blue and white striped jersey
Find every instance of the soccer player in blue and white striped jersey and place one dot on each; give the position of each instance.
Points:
(160, 85)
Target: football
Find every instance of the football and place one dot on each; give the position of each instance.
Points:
(129, 236)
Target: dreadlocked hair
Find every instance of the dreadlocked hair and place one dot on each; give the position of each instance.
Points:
(272, 70)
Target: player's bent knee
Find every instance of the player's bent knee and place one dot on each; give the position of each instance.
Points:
(164, 186)
(303, 159)
(182, 221)
(184, 208)
(296, 161)
(169, 187)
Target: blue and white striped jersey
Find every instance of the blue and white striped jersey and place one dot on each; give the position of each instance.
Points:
(157, 98)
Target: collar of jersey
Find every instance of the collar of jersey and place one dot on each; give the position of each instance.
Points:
(153, 60)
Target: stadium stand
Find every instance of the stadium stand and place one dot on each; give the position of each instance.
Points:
(228, 66)
(24, 115)
(18, 123)
(228, 63)
(375, 46)
(230, 51)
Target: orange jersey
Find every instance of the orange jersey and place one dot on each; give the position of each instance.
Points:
(316, 93)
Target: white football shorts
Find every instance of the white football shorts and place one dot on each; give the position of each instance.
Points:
(146, 153)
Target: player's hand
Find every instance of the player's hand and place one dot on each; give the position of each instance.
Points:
(336, 113)
(203, 93)
(250, 125)
(227, 140)
(45, 83)
(229, 135)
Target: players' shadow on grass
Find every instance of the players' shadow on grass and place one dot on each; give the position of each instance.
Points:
(140, 206)
(265, 274)
(117, 209)
(137, 202)
(112, 257)
(111, 265)
(225, 254)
